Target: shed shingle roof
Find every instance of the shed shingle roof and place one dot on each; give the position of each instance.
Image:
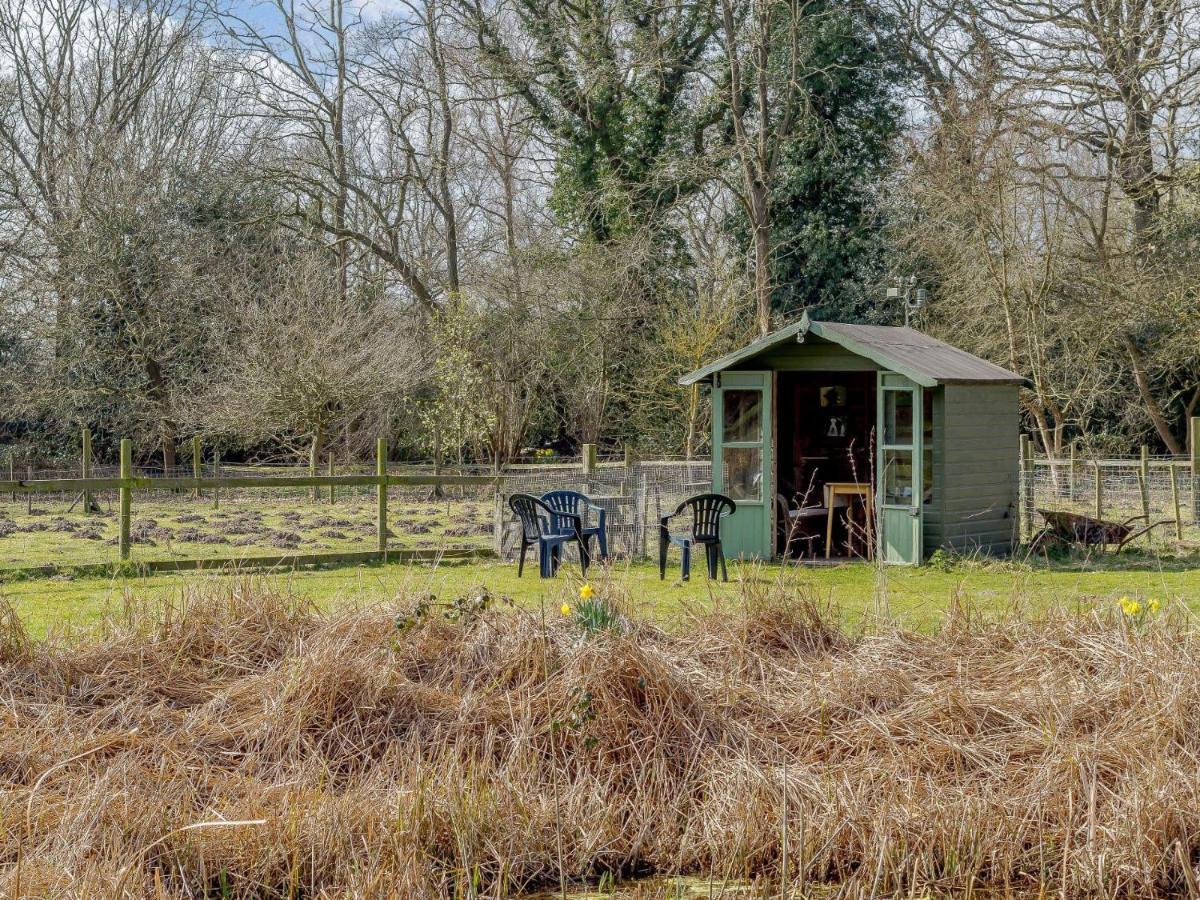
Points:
(924, 359)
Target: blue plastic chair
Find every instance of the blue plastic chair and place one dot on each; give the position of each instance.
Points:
(538, 527)
(707, 512)
(570, 506)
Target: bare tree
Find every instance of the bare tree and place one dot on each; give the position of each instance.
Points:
(406, 64)
(115, 119)
(1109, 80)
(301, 364)
(764, 56)
(1091, 107)
(1005, 251)
(344, 144)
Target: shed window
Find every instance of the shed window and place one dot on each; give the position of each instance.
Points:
(743, 473)
(897, 478)
(742, 421)
(897, 417)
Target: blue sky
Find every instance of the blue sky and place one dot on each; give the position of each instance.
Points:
(263, 12)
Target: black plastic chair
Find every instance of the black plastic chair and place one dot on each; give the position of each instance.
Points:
(571, 505)
(707, 512)
(538, 527)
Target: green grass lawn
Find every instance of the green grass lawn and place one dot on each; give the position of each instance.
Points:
(918, 597)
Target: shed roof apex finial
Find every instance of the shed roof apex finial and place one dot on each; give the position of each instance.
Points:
(803, 325)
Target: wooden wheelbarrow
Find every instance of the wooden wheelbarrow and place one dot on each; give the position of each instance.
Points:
(1080, 530)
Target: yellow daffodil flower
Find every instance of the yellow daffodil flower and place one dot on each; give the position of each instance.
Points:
(565, 609)
(586, 592)
(1130, 607)
(1153, 605)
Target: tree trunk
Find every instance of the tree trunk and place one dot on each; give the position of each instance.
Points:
(446, 201)
(314, 457)
(167, 431)
(1148, 400)
(342, 245)
(760, 221)
(508, 182)
(756, 154)
(689, 444)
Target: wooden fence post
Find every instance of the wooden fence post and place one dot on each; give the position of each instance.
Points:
(1144, 481)
(627, 494)
(29, 496)
(1099, 489)
(436, 493)
(1194, 468)
(126, 495)
(312, 470)
(1027, 491)
(498, 509)
(589, 466)
(332, 489)
(381, 524)
(197, 467)
(1175, 501)
(1071, 476)
(85, 467)
(12, 471)
(643, 510)
(216, 474)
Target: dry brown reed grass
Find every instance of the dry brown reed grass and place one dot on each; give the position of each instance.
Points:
(241, 743)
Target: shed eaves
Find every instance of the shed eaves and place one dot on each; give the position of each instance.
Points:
(910, 349)
(925, 359)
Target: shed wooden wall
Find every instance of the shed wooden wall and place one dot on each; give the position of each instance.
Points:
(977, 508)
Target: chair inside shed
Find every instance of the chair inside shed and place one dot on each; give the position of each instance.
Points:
(826, 423)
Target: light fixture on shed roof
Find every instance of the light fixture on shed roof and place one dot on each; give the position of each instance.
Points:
(914, 297)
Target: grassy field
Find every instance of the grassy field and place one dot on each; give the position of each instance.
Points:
(920, 597)
(452, 730)
(180, 527)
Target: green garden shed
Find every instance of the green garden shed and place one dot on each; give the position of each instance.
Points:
(862, 437)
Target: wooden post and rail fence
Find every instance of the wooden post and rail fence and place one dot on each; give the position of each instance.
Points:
(1065, 471)
(126, 484)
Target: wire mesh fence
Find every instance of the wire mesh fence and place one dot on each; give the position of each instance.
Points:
(634, 495)
(68, 522)
(1147, 490)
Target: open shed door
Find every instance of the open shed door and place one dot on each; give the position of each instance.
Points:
(899, 461)
(742, 460)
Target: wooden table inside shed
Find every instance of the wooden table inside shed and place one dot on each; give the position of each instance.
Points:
(835, 489)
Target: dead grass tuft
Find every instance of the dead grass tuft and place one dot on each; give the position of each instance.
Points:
(240, 743)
